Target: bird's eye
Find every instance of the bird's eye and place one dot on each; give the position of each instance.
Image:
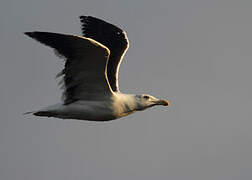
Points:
(146, 97)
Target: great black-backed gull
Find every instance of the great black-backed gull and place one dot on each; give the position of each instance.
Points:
(90, 75)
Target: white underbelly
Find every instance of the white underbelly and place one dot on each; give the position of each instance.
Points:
(83, 110)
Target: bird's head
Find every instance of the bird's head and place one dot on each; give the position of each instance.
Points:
(145, 101)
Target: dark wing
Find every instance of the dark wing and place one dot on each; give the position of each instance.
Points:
(113, 38)
(84, 74)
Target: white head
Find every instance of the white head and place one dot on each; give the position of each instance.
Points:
(125, 104)
(144, 101)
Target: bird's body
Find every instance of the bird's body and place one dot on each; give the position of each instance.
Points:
(82, 110)
(109, 108)
(90, 76)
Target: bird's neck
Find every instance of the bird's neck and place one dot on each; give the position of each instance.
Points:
(124, 104)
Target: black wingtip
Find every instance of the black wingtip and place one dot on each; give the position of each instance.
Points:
(82, 18)
(30, 34)
(90, 18)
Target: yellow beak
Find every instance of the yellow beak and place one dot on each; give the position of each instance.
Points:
(163, 102)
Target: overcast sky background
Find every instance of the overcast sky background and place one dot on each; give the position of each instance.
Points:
(196, 53)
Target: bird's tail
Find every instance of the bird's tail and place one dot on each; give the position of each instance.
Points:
(30, 112)
(40, 113)
(50, 111)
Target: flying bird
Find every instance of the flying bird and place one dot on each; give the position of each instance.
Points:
(90, 75)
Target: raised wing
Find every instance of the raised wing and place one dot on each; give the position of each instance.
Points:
(84, 75)
(113, 38)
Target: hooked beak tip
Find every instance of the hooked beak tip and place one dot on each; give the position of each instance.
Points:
(165, 102)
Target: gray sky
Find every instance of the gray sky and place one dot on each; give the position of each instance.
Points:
(196, 53)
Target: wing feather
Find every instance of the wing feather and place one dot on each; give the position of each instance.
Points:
(84, 76)
(112, 37)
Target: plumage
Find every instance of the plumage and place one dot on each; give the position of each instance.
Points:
(85, 62)
(90, 75)
(113, 38)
